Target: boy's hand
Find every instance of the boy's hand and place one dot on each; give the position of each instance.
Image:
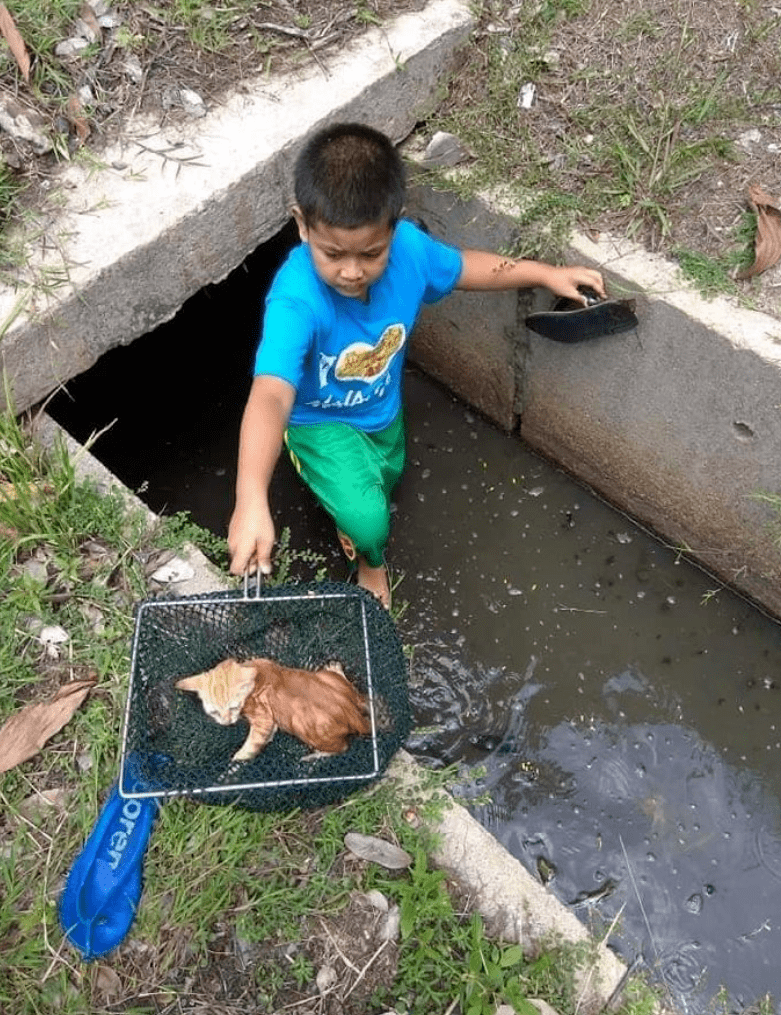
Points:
(251, 539)
(564, 281)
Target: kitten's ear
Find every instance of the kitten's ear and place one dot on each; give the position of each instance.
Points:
(189, 683)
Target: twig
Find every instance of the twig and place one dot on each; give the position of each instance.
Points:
(575, 609)
(163, 153)
(645, 917)
(587, 982)
(56, 955)
(365, 968)
(342, 956)
(299, 33)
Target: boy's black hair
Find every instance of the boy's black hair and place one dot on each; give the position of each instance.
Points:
(349, 175)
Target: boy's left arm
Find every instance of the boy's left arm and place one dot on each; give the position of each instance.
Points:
(485, 271)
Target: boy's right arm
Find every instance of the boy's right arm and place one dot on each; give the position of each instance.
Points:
(251, 529)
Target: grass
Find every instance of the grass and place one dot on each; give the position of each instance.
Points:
(74, 555)
(627, 130)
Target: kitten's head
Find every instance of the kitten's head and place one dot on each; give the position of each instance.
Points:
(222, 690)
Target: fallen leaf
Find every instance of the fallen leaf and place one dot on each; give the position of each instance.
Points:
(108, 983)
(87, 15)
(78, 121)
(767, 246)
(24, 733)
(15, 42)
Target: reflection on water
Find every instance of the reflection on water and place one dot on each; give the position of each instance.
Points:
(622, 711)
(641, 823)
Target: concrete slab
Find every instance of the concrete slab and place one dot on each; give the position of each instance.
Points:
(176, 208)
(679, 424)
(469, 341)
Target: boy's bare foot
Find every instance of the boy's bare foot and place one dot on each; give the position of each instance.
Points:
(374, 580)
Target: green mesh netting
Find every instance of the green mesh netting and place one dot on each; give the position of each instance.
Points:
(170, 746)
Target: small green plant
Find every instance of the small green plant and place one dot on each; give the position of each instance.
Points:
(366, 15)
(450, 961)
(179, 528)
(709, 276)
(773, 501)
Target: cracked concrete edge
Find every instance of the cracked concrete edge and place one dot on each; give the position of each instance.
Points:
(178, 207)
(513, 904)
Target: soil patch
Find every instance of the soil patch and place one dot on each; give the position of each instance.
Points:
(648, 121)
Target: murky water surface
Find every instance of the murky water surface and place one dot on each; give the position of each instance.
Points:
(622, 711)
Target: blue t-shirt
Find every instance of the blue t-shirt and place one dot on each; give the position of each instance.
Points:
(344, 357)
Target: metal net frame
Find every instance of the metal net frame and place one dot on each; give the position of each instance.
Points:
(170, 747)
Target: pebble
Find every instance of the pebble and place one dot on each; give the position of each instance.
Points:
(325, 979)
(69, 48)
(24, 124)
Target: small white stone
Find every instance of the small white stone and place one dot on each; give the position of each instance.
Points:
(325, 979)
(191, 102)
(749, 137)
(71, 47)
(51, 637)
(176, 570)
(132, 67)
(377, 900)
(391, 925)
(526, 95)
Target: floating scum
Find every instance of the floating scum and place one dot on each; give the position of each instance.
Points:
(171, 748)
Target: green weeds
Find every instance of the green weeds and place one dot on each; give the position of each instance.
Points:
(451, 962)
(622, 130)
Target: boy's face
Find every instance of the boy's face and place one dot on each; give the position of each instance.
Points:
(349, 260)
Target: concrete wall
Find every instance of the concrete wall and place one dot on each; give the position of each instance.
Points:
(678, 423)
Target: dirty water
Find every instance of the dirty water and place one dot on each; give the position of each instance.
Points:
(616, 714)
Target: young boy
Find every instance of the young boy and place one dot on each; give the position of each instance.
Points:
(328, 372)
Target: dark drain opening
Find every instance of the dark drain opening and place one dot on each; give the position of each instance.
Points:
(175, 396)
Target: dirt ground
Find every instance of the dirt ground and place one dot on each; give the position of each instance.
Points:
(657, 117)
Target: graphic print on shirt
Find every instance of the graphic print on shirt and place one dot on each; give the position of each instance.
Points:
(326, 362)
(363, 362)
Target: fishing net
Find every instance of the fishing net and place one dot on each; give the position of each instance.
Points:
(171, 747)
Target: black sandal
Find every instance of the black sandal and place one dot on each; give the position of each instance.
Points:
(570, 321)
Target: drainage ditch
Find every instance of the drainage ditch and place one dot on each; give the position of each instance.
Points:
(615, 713)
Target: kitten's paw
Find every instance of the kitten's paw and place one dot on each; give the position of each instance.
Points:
(336, 666)
(317, 755)
(243, 755)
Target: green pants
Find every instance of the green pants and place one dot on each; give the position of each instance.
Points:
(352, 474)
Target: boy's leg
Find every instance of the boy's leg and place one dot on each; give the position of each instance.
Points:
(352, 474)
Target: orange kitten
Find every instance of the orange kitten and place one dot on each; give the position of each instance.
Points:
(320, 707)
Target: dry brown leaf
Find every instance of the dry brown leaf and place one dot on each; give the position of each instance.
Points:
(87, 15)
(24, 734)
(77, 119)
(108, 983)
(15, 42)
(767, 246)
